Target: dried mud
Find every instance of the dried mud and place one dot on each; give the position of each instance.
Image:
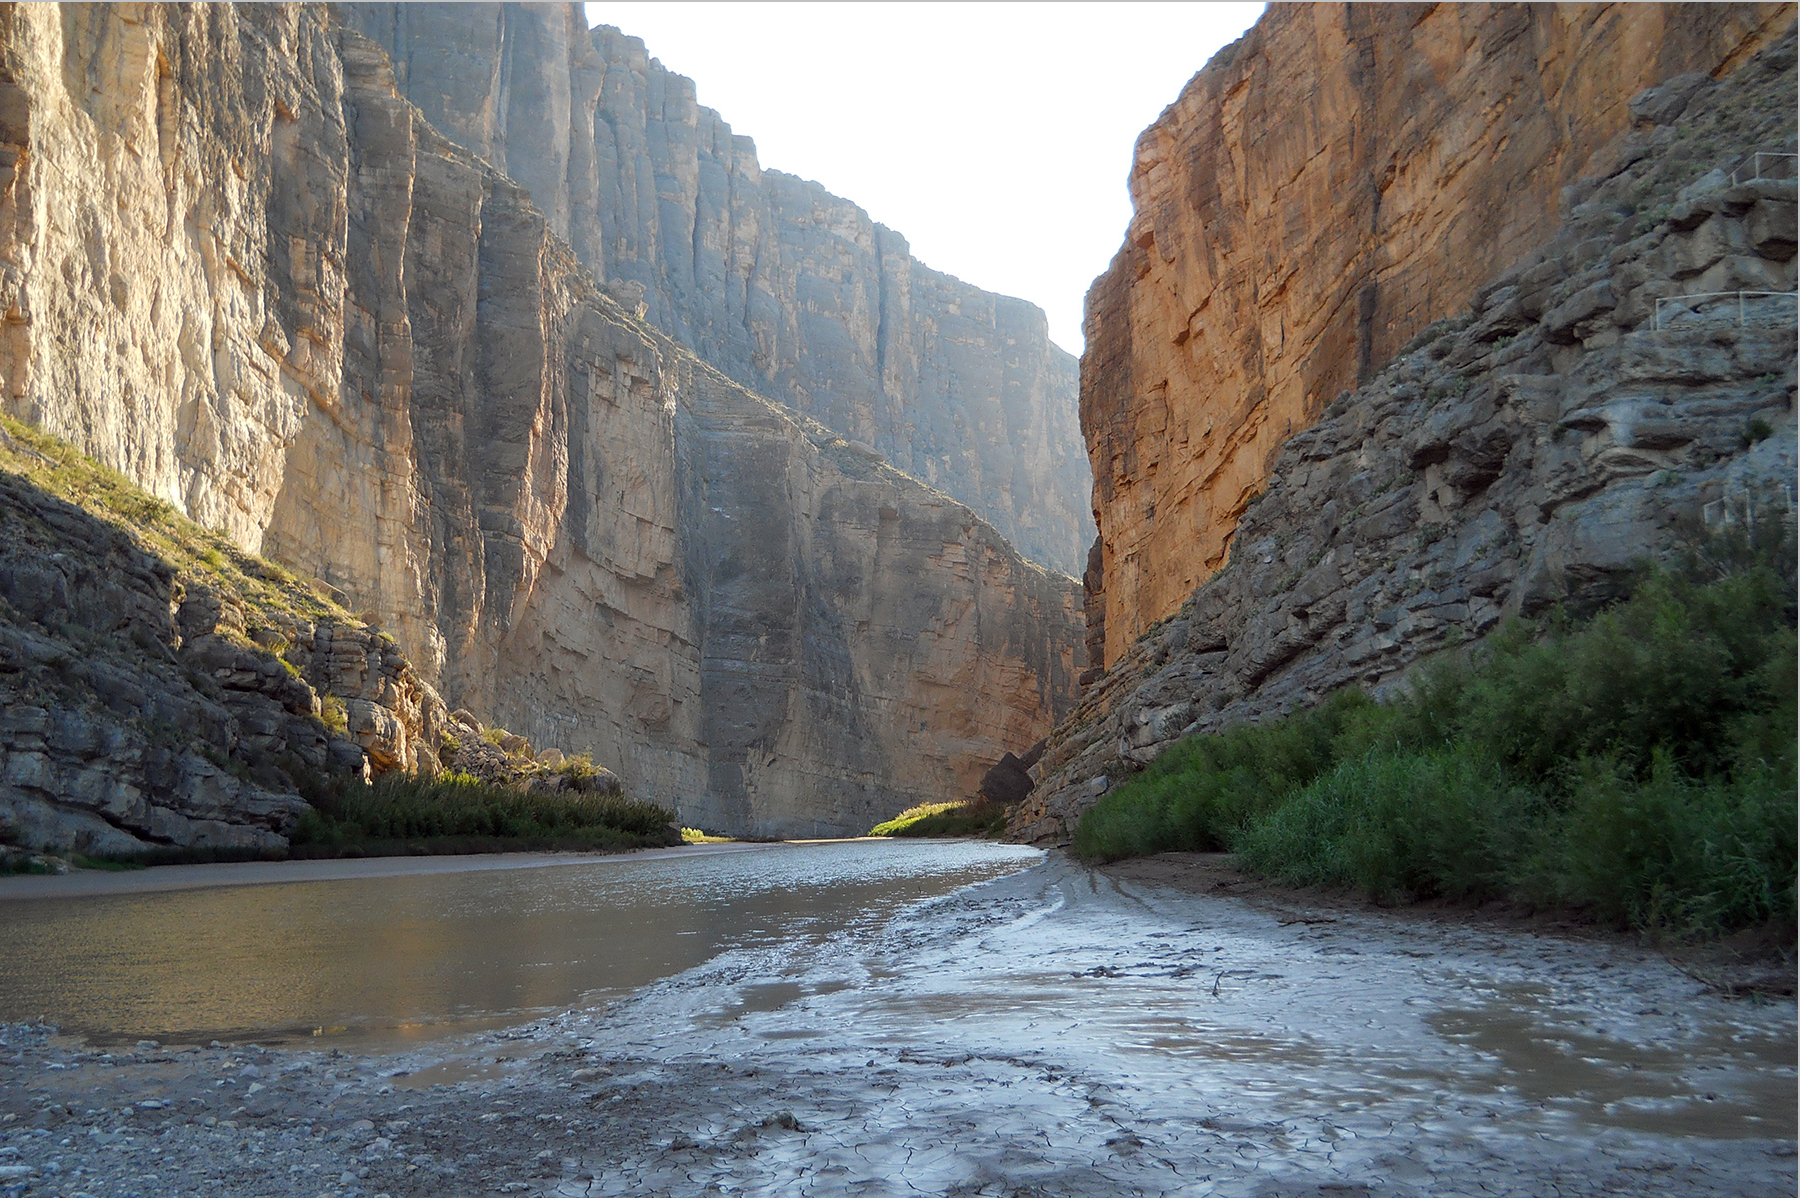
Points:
(1058, 1031)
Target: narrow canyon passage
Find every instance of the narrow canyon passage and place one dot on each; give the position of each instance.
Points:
(1051, 1031)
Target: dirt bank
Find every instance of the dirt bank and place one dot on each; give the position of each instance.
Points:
(1759, 962)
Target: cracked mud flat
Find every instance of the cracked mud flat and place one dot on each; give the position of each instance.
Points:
(1053, 1032)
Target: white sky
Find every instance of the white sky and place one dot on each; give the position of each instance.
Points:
(996, 137)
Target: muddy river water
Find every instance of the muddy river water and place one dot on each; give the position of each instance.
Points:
(971, 1019)
(401, 951)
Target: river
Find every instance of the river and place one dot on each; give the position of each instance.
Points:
(402, 950)
(972, 1019)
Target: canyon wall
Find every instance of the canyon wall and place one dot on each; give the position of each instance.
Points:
(1326, 187)
(786, 288)
(238, 266)
(1599, 404)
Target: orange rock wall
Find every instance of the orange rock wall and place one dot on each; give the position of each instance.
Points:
(1325, 188)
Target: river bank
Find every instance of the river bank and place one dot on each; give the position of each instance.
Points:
(1753, 963)
(1055, 1031)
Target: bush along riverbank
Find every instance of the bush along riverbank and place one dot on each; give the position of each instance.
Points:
(496, 796)
(1638, 767)
(499, 798)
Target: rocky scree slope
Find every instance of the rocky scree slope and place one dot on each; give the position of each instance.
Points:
(1328, 186)
(1596, 404)
(237, 266)
(160, 688)
(786, 288)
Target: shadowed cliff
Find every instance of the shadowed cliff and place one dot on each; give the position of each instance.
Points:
(786, 288)
(240, 268)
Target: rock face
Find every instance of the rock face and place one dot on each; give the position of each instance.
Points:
(790, 290)
(149, 701)
(239, 267)
(1329, 185)
(866, 640)
(1598, 404)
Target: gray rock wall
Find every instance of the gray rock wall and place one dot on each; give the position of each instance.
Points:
(867, 640)
(239, 267)
(143, 706)
(1598, 404)
(781, 285)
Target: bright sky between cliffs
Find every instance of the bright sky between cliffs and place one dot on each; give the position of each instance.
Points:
(997, 138)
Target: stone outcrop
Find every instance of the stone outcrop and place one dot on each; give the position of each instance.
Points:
(1598, 404)
(786, 288)
(1009, 782)
(158, 689)
(238, 266)
(1329, 185)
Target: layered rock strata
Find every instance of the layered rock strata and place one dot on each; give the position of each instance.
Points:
(151, 698)
(1329, 185)
(783, 286)
(1608, 399)
(240, 268)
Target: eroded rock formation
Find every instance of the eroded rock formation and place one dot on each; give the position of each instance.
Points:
(786, 288)
(1329, 185)
(238, 266)
(159, 689)
(1599, 404)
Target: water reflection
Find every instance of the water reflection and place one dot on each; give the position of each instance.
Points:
(426, 955)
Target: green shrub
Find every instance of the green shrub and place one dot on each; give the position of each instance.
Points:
(1399, 826)
(1674, 855)
(1205, 789)
(1641, 766)
(406, 807)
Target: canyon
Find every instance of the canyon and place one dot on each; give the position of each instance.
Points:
(771, 279)
(574, 420)
(238, 266)
(1622, 392)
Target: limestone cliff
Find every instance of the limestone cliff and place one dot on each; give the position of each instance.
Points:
(1598, 404)
(160, 688)
(1335, 181)
(783, 286)
(239, 267)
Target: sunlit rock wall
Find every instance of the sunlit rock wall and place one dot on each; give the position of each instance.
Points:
(1623, 393)
(1330, 184)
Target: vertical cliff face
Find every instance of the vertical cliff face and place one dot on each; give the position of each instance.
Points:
(1624, 392)
(1336, 180)
(237, 265)
(781, 285)
(858, 626)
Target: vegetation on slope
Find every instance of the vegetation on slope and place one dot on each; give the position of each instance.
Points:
(972, 817)
(1640, 767)
(516, 802)
(197, 554)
